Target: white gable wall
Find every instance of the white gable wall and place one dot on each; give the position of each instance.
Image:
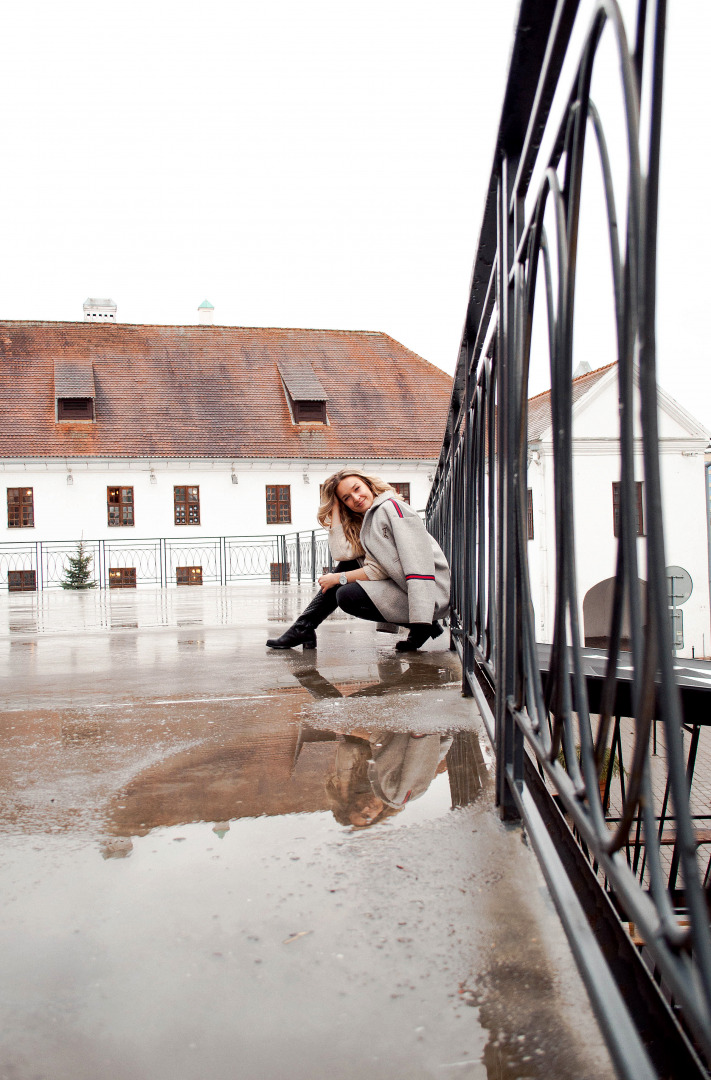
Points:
(596, 466)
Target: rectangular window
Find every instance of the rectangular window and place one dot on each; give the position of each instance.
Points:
(639, 508)
(188, 575)
(313, 411)
(20, 508)
(122, 577)
(278, 504)
(187, 505)
(75, 408)
(529, 514)
(120, 505)
(403, 491)
(22, 581)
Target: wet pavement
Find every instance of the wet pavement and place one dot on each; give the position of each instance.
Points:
(222, 861)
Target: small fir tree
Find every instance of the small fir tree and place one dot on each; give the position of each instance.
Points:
(78, 573)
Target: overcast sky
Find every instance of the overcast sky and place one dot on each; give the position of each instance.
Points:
(297, 163)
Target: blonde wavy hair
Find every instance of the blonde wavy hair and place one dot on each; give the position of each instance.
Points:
(351, 522)
(349, 790)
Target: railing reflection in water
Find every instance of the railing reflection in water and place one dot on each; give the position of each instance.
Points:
(611, 821)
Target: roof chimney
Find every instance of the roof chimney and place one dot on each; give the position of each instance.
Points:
(206, 312)
(97, 309)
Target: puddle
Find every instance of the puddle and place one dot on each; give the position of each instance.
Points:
(299, 873)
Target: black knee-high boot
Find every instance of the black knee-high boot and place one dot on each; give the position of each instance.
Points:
(419, 634)
(302, 632)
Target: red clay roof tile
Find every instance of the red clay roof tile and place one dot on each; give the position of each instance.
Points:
(74, 378)
(215, 391)
(539, 407)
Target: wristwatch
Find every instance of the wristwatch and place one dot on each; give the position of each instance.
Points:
(343, 580)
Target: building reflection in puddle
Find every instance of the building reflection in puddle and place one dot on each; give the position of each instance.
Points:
(266, 764)
(23, 618)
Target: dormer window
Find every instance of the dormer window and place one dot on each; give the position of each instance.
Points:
(305, 411)
(75, 408)
(74, 390)
(304, 393)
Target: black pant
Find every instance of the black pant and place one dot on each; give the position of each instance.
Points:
(325, 603)
(354, 600)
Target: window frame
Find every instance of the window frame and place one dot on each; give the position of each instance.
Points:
(187, 503)
(122, 577)
(22, 581)
(396, 485)
(191, 575)
(65, 412)
(639, 492)
(121, 505)
(26, 497)
(279, 505)
(309, 411)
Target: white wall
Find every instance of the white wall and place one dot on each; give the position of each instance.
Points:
(65, 512)
(596, 465)
(686, 545)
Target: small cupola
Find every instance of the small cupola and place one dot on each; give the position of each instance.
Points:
(206, 313)
(99, 309)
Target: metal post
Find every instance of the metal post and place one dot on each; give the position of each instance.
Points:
(708, 528)
(467, 535)
(672, 605)
(298, 558)
(313, 556)
(282, 557)
(508, 736)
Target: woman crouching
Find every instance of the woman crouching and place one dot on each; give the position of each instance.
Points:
(390, 569)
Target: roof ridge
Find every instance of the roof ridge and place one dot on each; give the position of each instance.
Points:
(585, 375)
(412, 352)
(202, 327)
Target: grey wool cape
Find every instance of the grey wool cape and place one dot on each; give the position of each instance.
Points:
(416, 589)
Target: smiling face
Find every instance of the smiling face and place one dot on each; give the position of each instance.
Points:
(355, 494)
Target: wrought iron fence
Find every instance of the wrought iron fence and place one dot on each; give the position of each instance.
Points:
(298, 557)
(590, 752)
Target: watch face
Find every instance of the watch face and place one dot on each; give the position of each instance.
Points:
(343, 580)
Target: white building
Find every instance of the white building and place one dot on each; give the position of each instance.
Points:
(596, 470)
(129, 433)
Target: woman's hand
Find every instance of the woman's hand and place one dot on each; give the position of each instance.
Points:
(328, 581)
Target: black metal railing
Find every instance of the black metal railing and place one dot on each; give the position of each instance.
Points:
(591, 756)
(296, 557)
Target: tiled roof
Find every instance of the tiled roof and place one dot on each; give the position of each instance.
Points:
(539, 407)
(74, 378)
(215, 391)
(300, 380)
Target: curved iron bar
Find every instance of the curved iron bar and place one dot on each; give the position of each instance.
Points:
(559, 697)
(546, 717)
(17, 557)
(639, 789)
(656, 593)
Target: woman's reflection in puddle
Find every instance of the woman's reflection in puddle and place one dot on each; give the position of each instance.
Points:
(378, 773)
